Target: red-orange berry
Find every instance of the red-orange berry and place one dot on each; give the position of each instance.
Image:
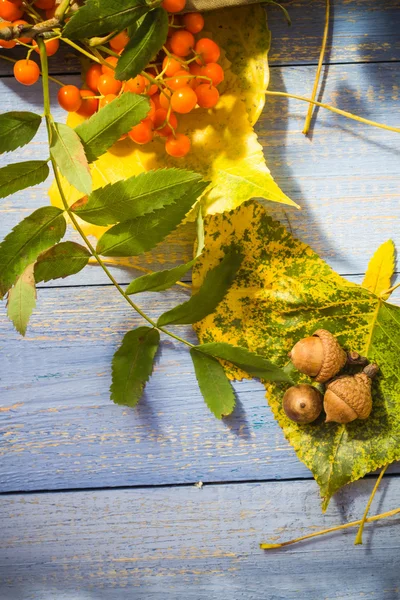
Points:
(177, 146)
(180, 79)
(142, 133)
(92, 77)
(208, 50)
(111, 60)
(24, 40)
(182, 42)
(137, 85)
(193, 22)
(152, 110)
(9, 11)
(51, 45)
(171, 65)
(173, 6)
(51, 12)
(165, 99)
(151, 89)
(89, 104)
(26, 72)
(207, 95)
(214, 71)
(119, 42)
(164, 124)
(69, 98)
(107, 84)
(183, 100)
(4, 43)
(106, 100)
(45, 4)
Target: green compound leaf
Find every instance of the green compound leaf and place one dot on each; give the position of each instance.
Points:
(67, 151)
(17, 129)
(102, 16)
(62, 260)
(133, 364)
(136, 196)
(214, 384)
(284, 292)
(106, 126)
(215, 286)
(22, 300)
(145, 44)
(42, 229)
(19, 176)
(136, 236)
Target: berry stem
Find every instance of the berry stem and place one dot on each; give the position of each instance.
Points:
(99, 60)
(318, 73)
(358, 539)
(338, 111)
(49, 119)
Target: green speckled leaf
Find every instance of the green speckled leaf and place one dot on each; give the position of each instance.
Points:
(283, 292)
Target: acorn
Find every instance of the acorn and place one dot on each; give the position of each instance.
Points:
(302, 403)
(349, 397)
(319, 356)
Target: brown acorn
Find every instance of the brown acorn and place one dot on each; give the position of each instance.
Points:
(349, 397)
(319, 356)
(302, 403)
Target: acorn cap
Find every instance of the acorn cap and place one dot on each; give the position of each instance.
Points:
(348, 398)
(334, 356)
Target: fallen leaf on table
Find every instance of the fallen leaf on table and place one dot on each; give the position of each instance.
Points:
(380, 270)
(283, 292)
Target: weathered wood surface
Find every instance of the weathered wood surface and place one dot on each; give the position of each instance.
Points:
(188, 543)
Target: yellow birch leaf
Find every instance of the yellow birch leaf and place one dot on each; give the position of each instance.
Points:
(380, 270)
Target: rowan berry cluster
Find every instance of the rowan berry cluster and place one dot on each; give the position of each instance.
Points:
(183, 76)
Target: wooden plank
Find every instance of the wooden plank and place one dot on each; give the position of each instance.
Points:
(345, 179)
(196, 544)
(59, 429)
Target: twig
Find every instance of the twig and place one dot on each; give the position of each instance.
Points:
(358, 539)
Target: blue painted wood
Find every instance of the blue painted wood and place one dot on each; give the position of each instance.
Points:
(197, 544)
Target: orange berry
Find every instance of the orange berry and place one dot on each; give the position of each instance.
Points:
(50, 12)
(173, 6)
(69, 98)
(92, 77)
(152, 110)
(106, 100)
(165, 99)
(207, 95)
(155, 99)
(107, 84)
(180, 79)
(178, 146)
(137, 85)
(3, 43)
(214, 71)
(45, 4)
(89, 104)
(26, 72)
(194, 22)
(111, 60)
(182, 42)
(24, 40)
(208, 50)
(183, 100)
(9, 11)
(171, 66)
(163, 126)
(52, 46)
(142, 133)
(195, 70)
(119, 42)
(151, 89)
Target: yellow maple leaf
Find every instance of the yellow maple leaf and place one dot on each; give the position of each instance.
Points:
(380, 270)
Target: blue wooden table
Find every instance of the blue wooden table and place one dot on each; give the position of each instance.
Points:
(99, 501)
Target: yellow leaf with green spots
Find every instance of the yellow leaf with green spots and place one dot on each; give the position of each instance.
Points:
(380, 270)
(283, 292)
(225, 148)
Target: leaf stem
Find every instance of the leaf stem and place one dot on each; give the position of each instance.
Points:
(358, 539)
(318, 73)
(390, 290)
(385, 515)
(100, 61)
(338, 111)
(47, 114)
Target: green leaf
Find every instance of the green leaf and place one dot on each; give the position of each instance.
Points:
(136, 196)
(61, 261)
(145, 44)
(67, 151)
(139, 235)
(19, 176)
(214, 384)
(249, 362)
(103, 16)
(106, 126)
(22, 300)
(43, 228)
(132, 365)
(283, 293)
(210, 294)
(17, 129)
